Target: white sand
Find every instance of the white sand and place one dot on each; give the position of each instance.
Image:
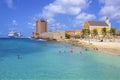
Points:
(109, 47)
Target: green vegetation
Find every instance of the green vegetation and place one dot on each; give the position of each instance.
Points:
(77, 36)
(67, 36)
(113, 31)
(95, 33)
(104, 32)
(85, 33)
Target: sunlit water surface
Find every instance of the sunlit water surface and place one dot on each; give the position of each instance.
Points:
(25, 59)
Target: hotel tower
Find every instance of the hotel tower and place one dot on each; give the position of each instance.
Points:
(41, 26)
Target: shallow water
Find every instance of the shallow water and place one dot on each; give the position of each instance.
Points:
(25, 59)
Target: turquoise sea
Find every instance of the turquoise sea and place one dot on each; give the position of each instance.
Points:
(26, 59)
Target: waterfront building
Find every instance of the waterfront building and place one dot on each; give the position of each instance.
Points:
(41, 26)
(98, 25)
(77, 32)
(73, 33)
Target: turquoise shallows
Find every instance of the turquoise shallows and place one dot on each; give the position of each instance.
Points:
(25, 59)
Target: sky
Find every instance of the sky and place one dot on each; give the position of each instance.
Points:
(21, 15)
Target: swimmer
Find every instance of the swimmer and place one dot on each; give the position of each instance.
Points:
(80, 52)
(86, 49)
(59, 51)
(64, 51)
(71, 50)
(19, 57)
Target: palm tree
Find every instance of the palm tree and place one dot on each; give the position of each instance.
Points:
(113, 32)
(77, 36)
(95, 33)
(85, 32)
(104, 32)
(88, 34)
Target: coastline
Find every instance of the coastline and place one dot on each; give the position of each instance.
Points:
(108, 47)
(112, 48)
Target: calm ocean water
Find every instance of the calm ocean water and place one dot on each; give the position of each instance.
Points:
(25, 59)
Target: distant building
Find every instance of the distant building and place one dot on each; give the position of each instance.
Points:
(77, 32)
(98, 25)
(54, 35)
(72, 33)
(41, 26)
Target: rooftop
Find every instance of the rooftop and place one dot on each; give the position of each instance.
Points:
(97, 23)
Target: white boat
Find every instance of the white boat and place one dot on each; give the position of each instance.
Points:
(42, 40)
(13, 34)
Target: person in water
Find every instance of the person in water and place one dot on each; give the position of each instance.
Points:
(64, 51)
(80, 52)
(19, 57)
(86, 49)
(59, 51)
(71, 50)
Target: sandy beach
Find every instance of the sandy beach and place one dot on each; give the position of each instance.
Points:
(107, 47)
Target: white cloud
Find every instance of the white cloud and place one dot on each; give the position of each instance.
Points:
(68, 7)
(82, 17)
(31, 25)
(71, 8)
(58, 26)
(111, 9)
(14, 23)
(9, 3)
(85, 16)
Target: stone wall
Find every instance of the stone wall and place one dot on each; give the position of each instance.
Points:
(55, 35)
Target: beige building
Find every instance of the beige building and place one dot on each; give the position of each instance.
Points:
(54, 35)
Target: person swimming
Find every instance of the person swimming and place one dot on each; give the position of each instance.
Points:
(80, 52)
(59, 51)
(71, 50)
(64, 51)
(86, 49)
(19, 57)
